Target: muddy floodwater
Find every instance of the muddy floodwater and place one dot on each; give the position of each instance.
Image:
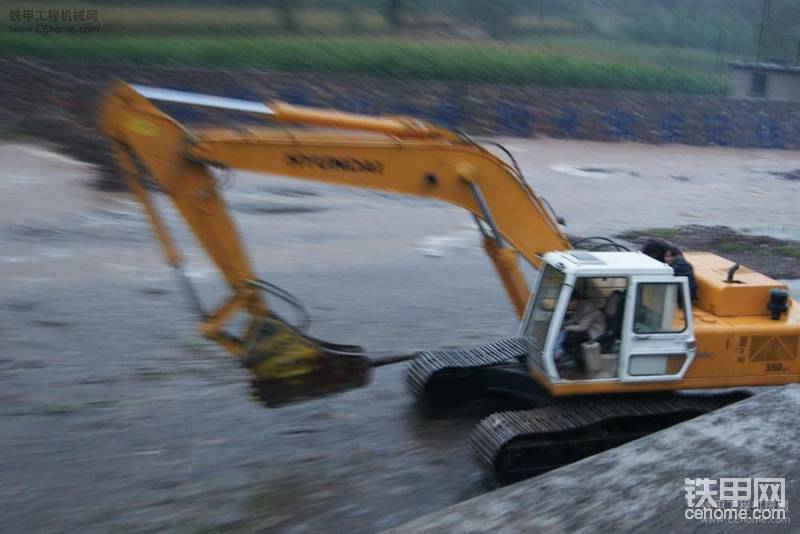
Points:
(116, 416)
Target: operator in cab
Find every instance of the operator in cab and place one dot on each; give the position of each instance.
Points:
(586, 324)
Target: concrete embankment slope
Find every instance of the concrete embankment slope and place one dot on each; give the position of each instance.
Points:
(640, 486)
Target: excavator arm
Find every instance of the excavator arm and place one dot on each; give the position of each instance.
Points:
(396, 154)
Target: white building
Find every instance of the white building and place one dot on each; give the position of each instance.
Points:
(765, 80)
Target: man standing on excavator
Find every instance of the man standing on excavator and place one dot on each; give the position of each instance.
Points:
(664, 251)
(674, 258)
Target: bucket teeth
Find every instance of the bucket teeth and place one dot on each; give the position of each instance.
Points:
(334, 373)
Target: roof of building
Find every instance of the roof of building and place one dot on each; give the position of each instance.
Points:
(776, 67)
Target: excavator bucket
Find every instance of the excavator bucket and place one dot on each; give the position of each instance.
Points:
(289, 366)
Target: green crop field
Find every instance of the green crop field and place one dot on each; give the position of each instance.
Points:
(551, 43)
(370, 56)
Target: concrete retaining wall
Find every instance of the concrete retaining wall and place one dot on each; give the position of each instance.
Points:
(57, 101)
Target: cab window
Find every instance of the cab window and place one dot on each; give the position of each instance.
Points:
(544, 305)
(659, 309)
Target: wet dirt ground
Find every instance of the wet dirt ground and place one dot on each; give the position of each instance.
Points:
(116, 416)
(778, 258)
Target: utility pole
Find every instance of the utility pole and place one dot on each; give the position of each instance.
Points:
(718, 61)
(765, 5)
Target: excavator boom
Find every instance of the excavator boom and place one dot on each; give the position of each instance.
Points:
(396, 154)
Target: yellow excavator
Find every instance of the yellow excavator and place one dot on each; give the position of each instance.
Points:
(742, 330)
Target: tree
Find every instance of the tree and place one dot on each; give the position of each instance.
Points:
(394, 11)
(286, 13)
(494, 15)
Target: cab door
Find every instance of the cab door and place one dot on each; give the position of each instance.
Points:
(657, 336)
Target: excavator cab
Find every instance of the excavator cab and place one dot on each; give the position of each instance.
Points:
(608, 316)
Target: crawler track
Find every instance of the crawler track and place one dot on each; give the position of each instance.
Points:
(517, 444)
(443, 379)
